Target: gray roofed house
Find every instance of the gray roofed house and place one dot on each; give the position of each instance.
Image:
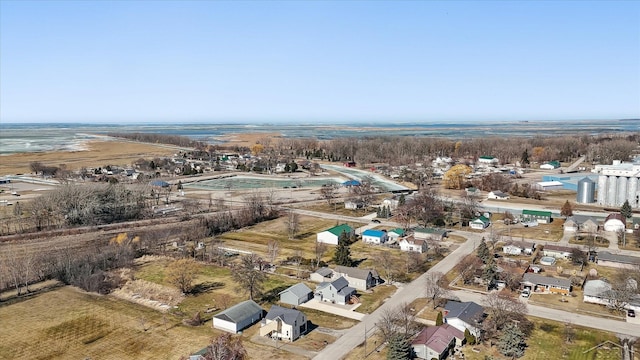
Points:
(464, 315)
(296, 294)
(284, 323)
(549, 284)
(361, 279)
(338, 291)
(321, 275)
(605, 258)
(238, 317)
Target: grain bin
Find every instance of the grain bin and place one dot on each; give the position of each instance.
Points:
(586, 191)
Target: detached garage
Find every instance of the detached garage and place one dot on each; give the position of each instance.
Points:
(238, 317)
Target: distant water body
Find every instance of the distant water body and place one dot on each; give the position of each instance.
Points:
(33, 137)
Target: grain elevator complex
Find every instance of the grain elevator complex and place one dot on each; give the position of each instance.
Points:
(618, 183)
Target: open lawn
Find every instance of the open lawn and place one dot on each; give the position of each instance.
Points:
(372, 300)
(548, 342)
(548, 232)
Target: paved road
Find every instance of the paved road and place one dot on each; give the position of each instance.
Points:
(352, 338)
(614, 326)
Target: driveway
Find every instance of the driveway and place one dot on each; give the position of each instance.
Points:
(341, 310)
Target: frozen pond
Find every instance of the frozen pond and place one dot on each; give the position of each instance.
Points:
(255, 182)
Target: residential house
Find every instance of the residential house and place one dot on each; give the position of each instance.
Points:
(391, 203)
(331, 236)
(372, 236)
(464, 315)
(570, 226)
(296, 294)
(497, 195)
(337, 291)
(479, 223)
(614, 223)
(551, 165)
(542, 217)
(395, 234)
(361, 279)
(353, 205)
(557, 251)
(589, 227)
(518, 248)
(601, 292)
(321, 275)
(238, 317)
(282, 323)
(540, 283)
(410, 243)
(605, 258)
(436, 342)
(472, 191)
(429, 233)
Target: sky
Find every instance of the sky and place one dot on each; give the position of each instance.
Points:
(318, 61)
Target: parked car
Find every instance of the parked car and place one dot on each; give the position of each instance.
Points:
(525, 293)
(631, 313)
(375, 221)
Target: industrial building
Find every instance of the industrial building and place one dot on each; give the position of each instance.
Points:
(618, 183)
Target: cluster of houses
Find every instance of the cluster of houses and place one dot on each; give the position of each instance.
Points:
(414, 241)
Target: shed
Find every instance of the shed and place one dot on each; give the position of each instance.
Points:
(296, 294)
(543, 217)
(372, 236)
(238, 317)
(331, 236)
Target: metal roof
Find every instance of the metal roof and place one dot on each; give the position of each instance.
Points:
(240, 312)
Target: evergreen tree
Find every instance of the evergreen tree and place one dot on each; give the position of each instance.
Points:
(471, 340)
(402, 200)
(524, 159)
(399, 348)
(625, 210)
(483, 251)
(342, 256)
(179, 185)
(567, 209)
(490, 272)
(439, 320)
(512, 342)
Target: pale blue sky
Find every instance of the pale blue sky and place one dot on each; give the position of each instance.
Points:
(318, 61)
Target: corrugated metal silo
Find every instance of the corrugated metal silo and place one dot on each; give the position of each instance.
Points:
(586, 191)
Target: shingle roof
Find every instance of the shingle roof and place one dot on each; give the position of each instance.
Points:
(468, 311)
(325, 271)
(546, 280)
(288, 316)
(398, 231)
(595, 287)
(340, 283)
(239, 312)
(429, 231)
(356, 273)
(623, 259)
(558, 248)
(300, 290)
(337, 230)
(437, 338)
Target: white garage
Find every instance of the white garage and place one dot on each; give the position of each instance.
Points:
(238, 317)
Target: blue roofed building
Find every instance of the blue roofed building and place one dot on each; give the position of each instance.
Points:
(372, 236)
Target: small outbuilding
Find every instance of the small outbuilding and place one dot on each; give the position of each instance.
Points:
(615, 222)
(296, 294)
(238, 317)
(331, 236)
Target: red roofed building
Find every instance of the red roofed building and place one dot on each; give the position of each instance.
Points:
(436, 342)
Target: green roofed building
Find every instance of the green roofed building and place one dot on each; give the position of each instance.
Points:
(542, 217)
(331, 236)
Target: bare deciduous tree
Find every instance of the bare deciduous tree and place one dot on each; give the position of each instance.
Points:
(273, 250)
(293, 223)
(397, 321)
(181, 273)
(249, 276)
(435, 287)
(226, 347)
(320, 249)
(503, 308)
(385, 260)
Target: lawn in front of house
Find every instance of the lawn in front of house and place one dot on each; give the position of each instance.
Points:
(547, 341)
(374, 298)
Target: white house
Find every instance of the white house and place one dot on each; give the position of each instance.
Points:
(238, 317)
(361, 279)
(322, 275)
(282, 323)
(395, 234)
(464, 315)
(410, 243)
(614, 223)
(596, 292)
(551, 165)
(353, 205)
(518, 248)
(570, 226)
(488, 160)
(497, 195)
(479, 223)
(337, 292)
(557, 251)
(331, 236)
(372, 236)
